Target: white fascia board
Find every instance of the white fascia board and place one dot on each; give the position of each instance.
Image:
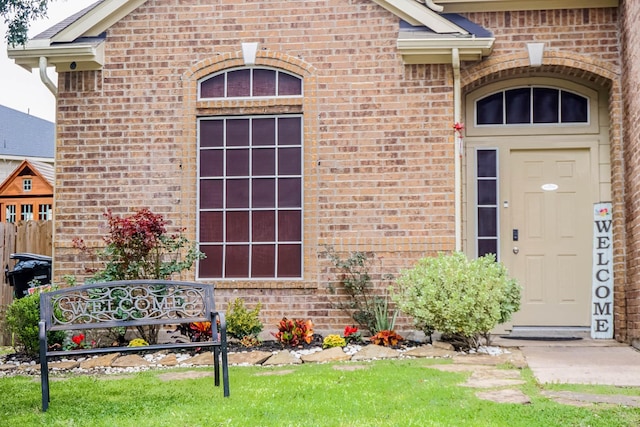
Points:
(98, 20)
(439, 51)
(418, 14)
(461, 6)
(86, 56)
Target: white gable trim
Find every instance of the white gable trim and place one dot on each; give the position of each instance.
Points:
(419, 15)
(460, 6)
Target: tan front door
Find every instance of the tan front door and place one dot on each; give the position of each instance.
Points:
(548, 235)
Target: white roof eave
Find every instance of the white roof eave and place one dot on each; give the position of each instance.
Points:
(440, 50)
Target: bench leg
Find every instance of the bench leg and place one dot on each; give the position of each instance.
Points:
(225, 373)
(44, 367)
(216, 366)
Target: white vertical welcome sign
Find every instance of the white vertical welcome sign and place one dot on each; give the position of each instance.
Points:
(602, 291)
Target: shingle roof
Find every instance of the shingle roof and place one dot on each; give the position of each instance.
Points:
(24, 135)
(45, 169)
(52, 31)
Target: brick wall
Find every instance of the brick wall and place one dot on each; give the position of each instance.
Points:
(630, 47)
(378, 133)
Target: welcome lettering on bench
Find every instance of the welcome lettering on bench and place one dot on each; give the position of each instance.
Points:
(122, 303)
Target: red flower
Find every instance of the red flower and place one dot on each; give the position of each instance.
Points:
(348, 330)
(77, 339)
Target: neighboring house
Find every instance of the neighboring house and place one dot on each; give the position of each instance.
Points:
(271, 129)
(27, 193)
(23, 136)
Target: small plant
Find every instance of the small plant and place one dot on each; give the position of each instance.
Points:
(386, 338)
(22, 319)
(294, 332)
(333, 340)
(242, 322)
(364, 307)
(78, 341)
(138, 342)
(200, 331)
(250, 341)
(461, 298)
(352, 335)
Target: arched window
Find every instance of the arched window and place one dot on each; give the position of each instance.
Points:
(532, 106)
(250, 82)
(250, 180)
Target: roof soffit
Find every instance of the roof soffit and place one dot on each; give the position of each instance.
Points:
(460, 6)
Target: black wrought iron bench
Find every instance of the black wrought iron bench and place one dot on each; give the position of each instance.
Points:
(132, 303)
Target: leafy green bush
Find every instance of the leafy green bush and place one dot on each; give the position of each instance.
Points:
(333, 340)
(242, 322)
(22, 319)
(460, 298)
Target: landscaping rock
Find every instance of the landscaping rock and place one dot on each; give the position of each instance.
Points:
(490, 378)
(99, 362)
(7, 367)
(248, 358)
(570, 397)
(129, 361)
(201, 359)
(334, 354)
(283, 357)
(373, 351)
(429, 351)
(70, 364)
(443, 345)
(168, 360)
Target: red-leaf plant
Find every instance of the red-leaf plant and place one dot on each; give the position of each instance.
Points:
(293, 332)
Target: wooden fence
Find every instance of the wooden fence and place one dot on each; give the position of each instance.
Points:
(27, 236)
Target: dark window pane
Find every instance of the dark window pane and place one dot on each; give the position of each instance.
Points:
(487, 246)
(211, 266)
(487, 222)
(264, 132)
(263, 226)
(489, 110)
(264, 82)
(575, 108)
(211, 163)
(237, 226)
(211, 133)
(545, 105)
(238, 132)
(211, 194)
(263, 261)
(289, 85)
(289, 131)
(237, 162)
(487, 163)
(289, 193)
(238, 83)
(211, 227)
(289, 161)
(263, 193)
(213, 87)
(237, 193)
(289, 226)
(236, 261)
(289, 260)
(487, 192)
(518, 105)
(264, 161)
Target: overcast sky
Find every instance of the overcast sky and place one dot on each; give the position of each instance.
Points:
(22, 90)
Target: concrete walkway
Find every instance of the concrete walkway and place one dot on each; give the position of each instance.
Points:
(585, 361)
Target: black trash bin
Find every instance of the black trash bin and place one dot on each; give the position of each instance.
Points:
(29, 267)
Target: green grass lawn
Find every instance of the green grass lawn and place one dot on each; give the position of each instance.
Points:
(385, 393)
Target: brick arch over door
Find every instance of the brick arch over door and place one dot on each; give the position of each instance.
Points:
(591, 72)
(305, 105)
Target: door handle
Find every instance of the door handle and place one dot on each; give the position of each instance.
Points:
(516, 250)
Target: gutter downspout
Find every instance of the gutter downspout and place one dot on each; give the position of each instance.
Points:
(54, 90)
(455, 65)
(45, 77)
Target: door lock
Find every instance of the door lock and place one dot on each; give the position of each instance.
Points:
(516, 250)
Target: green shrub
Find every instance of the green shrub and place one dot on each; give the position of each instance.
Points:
(333, 340)
(23, 316)
(242, 322)
(460, 298)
